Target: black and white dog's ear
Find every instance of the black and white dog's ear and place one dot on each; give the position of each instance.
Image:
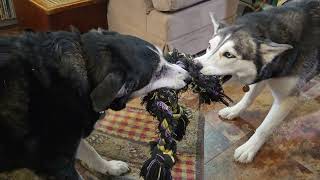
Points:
(121, 102)
(215, 23)
(270, 50)
(106, 91)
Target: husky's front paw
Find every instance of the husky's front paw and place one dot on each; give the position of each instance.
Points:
(115, 168)
(230, 112)
(246, 152)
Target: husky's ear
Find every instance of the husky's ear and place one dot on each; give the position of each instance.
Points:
(106, 91)
(216, 24)
(270, 50)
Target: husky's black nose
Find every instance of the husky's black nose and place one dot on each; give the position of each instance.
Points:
(188, 80)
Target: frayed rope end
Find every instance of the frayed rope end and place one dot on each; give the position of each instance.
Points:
(159, 166)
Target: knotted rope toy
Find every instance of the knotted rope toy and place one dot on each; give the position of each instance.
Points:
(174, 118)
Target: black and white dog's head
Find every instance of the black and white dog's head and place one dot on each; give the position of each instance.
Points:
(239, 51)
(122, 67)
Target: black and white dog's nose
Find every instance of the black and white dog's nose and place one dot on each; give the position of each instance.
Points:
(198, 66)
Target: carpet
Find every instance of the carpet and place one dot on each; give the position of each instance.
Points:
(124, 135)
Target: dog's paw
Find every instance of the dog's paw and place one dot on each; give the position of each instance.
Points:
(114, 168)
(246, 152)
(117, 168)
(230, 112)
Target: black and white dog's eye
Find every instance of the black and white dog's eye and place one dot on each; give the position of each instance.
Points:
(162, 71)
(209, 46)
(228, 55)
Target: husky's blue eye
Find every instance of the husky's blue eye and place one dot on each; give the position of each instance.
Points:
(228, 55)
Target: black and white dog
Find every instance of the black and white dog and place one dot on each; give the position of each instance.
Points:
(55, 86)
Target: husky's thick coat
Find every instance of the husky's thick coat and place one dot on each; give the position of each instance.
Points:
(279, 47)
(53, 87)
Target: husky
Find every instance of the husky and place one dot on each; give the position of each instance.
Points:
(278, 47)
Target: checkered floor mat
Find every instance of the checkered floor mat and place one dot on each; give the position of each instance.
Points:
(131, 123)
(135, 124)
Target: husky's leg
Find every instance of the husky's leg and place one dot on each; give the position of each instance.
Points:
(88, 155)
(283, 103)
(244, 103)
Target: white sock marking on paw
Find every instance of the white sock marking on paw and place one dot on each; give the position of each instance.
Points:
(116, 168)
(230, 112)
(246, 152)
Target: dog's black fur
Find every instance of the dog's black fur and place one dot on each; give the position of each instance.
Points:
(53, 86)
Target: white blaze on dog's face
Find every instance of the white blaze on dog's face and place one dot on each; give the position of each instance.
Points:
(167, 75)
(127, 67)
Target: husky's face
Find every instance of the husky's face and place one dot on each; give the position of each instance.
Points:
(223, 58)
(234, 51)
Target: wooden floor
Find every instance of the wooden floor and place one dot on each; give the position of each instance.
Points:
(293, 152)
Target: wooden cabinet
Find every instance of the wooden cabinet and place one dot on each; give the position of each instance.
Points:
(45, 15)
(7, 13)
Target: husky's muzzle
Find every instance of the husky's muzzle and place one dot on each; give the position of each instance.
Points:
(223, 79)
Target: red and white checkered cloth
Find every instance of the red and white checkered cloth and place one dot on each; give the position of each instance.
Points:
(136, 124)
